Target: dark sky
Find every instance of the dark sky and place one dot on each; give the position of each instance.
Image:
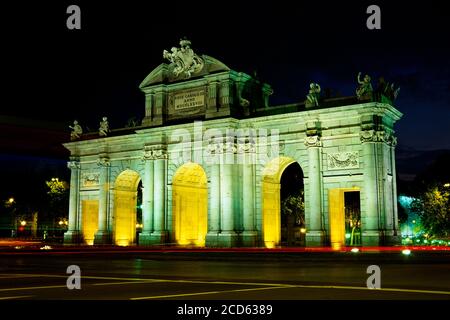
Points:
(59, 74)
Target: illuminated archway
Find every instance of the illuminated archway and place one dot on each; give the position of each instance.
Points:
(344, 217)
(190, 205)
(125, 203)
(271, 202)
(89, 220)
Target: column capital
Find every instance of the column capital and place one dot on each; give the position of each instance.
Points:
(73, 164)
(367, 136)
(147, 154)
(313, 141)
(246, 146)
(378, 136)
(154, 152)
(393, 142)
(222, 145)
(103, 162)
(159, 154)
(229, 145)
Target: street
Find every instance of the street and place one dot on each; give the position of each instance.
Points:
(140, 275)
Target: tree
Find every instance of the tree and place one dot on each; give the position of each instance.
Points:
(402, 213)
(294, 205)
(58, 196)
(433, 207)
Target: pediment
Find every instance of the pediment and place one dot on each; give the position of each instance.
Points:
(164, 72)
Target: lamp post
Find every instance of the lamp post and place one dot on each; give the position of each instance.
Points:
(12, 209)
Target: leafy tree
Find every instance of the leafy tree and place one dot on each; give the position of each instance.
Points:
(402, 213)
(433, 207)
(294, 205)
(58, 200)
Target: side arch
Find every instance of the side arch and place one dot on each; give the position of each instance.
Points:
(125, 202)
(271, 215)
(190, 205)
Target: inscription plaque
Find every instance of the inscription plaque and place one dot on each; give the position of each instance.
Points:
(186, 103)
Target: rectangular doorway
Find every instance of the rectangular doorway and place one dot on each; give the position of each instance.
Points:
(344, 217)
(352, 207)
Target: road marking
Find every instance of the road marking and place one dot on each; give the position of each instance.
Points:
(381, 289)
(28, 275)
(15, 297)
(277, 285)
(119, 283)
(89, 284)
(32, 288)
(203, 293)
(16, 276)
(161, 280)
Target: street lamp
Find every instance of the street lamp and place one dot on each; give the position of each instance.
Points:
(11, 200)
(23, 223)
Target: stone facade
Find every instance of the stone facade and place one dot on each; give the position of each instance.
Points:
(346, 146)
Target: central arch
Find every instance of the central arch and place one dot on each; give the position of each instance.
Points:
(125, 207)
(190, 205)
(271, 199)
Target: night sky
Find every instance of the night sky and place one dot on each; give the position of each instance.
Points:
(58, 74)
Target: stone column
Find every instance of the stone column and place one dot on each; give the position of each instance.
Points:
(103, 234)
(214, 196)
(314, 230)
(249, 236)
(72, 235)
(212, 100)
(149, 98)
(159, 234)
(158, 106)
(147, 198)
(227, 236)
(226, 98)
(395, 235)
(370, 219)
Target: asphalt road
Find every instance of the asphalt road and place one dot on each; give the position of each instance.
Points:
(221, 276)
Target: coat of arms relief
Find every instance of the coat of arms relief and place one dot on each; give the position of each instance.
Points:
(185, 62)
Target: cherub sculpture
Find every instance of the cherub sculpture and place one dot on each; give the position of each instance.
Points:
(365, 87)
(313, 94)
(77, 131)
(104, 127)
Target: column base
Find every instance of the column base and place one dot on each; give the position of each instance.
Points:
(153, 238)
(228, 239)
(212, 239)
(151, 122)
(144, 238)
(392, 238)
(315, 238)
(371, 238)
(72, 237)
(102, 237)
(249, 238)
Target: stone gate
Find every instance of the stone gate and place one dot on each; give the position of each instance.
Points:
(209, 155)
